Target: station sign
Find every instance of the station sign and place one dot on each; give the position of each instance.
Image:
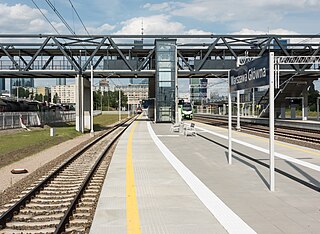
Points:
(250, 75)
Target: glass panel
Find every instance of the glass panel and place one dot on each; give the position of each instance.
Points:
(164, 47)
(167, 47)
(164, 76)
(165, 69)
(164, 84)
(194, 81)
(165, 64)
(167, 56)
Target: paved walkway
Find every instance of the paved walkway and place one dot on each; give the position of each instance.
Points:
(163, 182)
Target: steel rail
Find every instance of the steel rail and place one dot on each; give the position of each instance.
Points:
(8, 215)
(65, 220)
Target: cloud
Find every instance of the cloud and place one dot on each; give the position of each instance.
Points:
(278, 31)
(103, 29)
(24, 19)
(156, 24)
(235, 10)
(165, 6)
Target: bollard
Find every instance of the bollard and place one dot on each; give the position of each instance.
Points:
(52, 132)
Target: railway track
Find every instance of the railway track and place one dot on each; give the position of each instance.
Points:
(65, 200)
(303, 137)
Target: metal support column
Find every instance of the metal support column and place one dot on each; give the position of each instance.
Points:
(238, 111)
(271, 121)
(318, 108)
(229, 125)
(79, 104)
(119, 105)
(305, 105)
(128, 105)
(176, 91)
(253, 104)
(91, 104)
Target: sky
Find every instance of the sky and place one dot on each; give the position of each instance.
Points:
(164, 17)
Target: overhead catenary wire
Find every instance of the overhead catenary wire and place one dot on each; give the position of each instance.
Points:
(45, 17)
(60, 16)
(64, 22)
(79, 17)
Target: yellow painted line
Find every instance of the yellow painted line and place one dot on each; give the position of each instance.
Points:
(133, 220)
(277, 143)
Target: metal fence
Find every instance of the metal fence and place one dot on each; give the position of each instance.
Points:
(10, 120)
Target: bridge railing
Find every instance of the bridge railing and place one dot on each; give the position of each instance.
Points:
(38, 64)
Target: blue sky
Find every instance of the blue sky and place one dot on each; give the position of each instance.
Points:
(120, 16)
(165, 17)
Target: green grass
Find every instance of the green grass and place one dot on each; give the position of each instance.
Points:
(100, 122)
(299, 113)
(35, 137)
(16, 146)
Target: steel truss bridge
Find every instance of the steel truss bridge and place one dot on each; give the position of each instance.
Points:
(133, 56)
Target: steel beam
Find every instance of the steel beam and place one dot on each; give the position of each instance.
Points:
(10, 57)
(211, 47)
(229, 47)
(47, 63)
(23, 60)
(113, 44)
(93, 54)
(184, 60)
(70, 59)
(144, 63)
(266, 46)
(97, 63)
(224, 47)
(37, 53)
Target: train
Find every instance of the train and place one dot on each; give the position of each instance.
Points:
(10, 105)
(186, 109)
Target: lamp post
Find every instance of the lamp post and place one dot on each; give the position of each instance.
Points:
(17, 87)
(17, 93)
(128, 105)
(91, 97)
(119, 104)
(318, 98)
(101, 100)
(176, 86)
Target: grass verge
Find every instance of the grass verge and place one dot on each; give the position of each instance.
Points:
(18, 145)
(14, 147)
(101, 122)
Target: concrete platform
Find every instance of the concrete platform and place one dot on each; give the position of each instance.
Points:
(311, 123)
(184, 185)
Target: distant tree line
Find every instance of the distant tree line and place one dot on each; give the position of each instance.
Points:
(109, 100)
(24, 93)
(313, 95)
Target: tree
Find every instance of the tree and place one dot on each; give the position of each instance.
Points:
(108, 99)
(55, 98)
(97, 100)
(36, 97)
(313, 95)
(46, 98)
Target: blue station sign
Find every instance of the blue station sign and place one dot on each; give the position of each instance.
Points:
(250, 75)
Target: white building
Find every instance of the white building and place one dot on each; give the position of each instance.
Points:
(135, 93)
(66, 93)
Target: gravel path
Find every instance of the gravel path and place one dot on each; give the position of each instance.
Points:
(37, 165)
